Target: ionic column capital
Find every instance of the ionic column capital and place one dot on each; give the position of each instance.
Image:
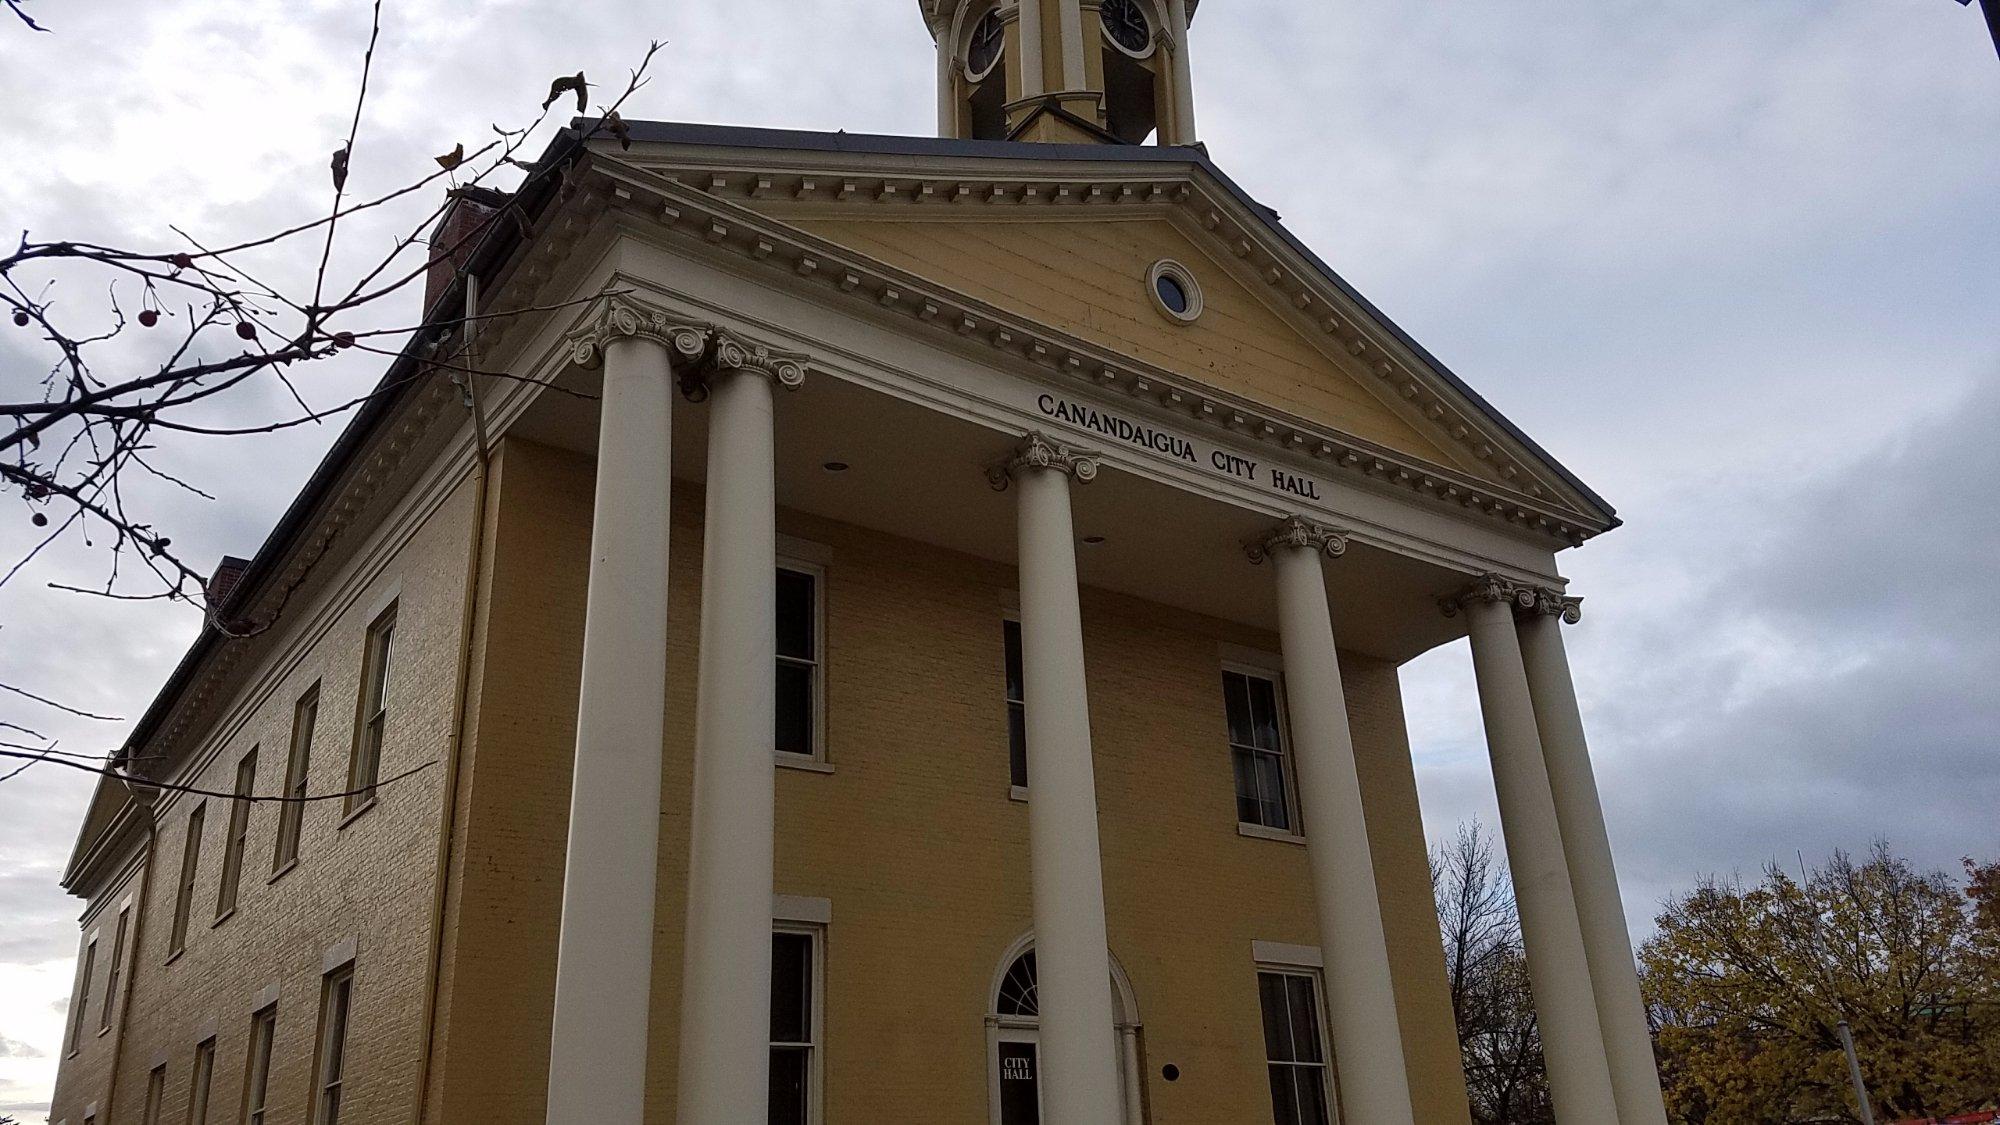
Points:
(619, 317)
(729, 353)
(1300, 532)
(1486, 589)
(1551, 602)
(1039, 451)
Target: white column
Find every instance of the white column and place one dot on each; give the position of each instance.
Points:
(1071, 13)
(1032, 78)
(1360, 993)
(1079, 1060)
(947, 82)
(725, 1034)
(1572, 1043)
(1183, 75)
(604, 958)
(1628, 1041)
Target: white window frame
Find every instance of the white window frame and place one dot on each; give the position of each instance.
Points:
(815, 931)
(378, 663)
(114, 972)
(298, 778)
(201, 1082)
(236, 840)
(1015, 792)
(1265, 666)
(86, 968)
(326, 1037)
(259, 1052)
(1300, 961)
(794, 558)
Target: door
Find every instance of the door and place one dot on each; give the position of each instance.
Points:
(1020, 1090)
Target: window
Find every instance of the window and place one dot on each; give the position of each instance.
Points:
(111, 977)
(239, 835)
(1257, 747)
(156, 1093)
(83, 995)
(336, 998)
(202, 1080)
(292, 811)
(365, 767)
(184, 893)
(794, 1026)
(1294, 1049)
(257, 1072)
(799, 659)
(1017, 708)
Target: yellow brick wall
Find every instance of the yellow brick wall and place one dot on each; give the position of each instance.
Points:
(913, 837)
(370, 880)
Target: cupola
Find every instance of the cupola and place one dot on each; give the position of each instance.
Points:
(1063, 71)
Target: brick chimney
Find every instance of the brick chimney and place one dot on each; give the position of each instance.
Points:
(457, 235)
(227, 573)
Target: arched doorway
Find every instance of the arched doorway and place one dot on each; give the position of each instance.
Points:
(1013, 1041)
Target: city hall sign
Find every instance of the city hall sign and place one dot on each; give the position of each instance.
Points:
(1154, 440)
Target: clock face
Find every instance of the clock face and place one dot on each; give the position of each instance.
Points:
(984, 50)
(1125, 21)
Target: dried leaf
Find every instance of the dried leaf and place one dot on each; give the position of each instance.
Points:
(339, 164)
(619, 129)
(574, 83)
(452, 159)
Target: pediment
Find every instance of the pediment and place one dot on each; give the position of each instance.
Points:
(1055, 243)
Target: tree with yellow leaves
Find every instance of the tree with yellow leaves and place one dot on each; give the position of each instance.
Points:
(1748, 984)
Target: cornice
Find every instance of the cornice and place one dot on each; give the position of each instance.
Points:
(1039, 451)
(1297, 532)
(718, 221)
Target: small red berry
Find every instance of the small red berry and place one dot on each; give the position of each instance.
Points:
(148, 317)
(182, 261)
(343, 339)
(246, 330)
(39, 520)
(20, 318)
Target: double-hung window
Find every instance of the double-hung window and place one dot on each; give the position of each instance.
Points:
(364, 767)
(1294, 1049)
(1017, 706)
(83, 995)
(801, 657)
(292, 811)
(114, 973)
(202, 1082)
(794, 1025)
(1257, 750)
(238, 838)
(184, 890)
(156, 1095)
(330, 1063)
(257, 1070)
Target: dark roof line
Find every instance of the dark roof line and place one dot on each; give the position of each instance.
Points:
(876, 144)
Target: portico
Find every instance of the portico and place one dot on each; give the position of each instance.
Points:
(1104, 493)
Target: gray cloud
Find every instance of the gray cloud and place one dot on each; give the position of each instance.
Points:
(1732, 262)
(15, 1049)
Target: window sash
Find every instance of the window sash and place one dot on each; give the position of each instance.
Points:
(1017, 704)
(330, 1061)
(1294, 1047)
(83, 996)
(156, 1094)
(800, 718)
(257, 1076)
(239, 835)
(201, 1084)
(298, 765)
(795, 1059)
(365, 764)
(113, 974)
(184, 892)
(1253, 703)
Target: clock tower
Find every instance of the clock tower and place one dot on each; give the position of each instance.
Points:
(1063, 71)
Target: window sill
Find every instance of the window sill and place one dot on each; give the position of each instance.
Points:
(360, 810)
(223, 917)
(801, 762)
(174, 956)
(283, 870)
(104, 1031)
(1017, 793)
(1259, 832)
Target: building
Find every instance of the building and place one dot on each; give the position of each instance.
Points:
(912, 638)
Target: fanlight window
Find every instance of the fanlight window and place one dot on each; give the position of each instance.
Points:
(1017, 989)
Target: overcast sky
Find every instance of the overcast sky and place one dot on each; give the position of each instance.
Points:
(1734, 263)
